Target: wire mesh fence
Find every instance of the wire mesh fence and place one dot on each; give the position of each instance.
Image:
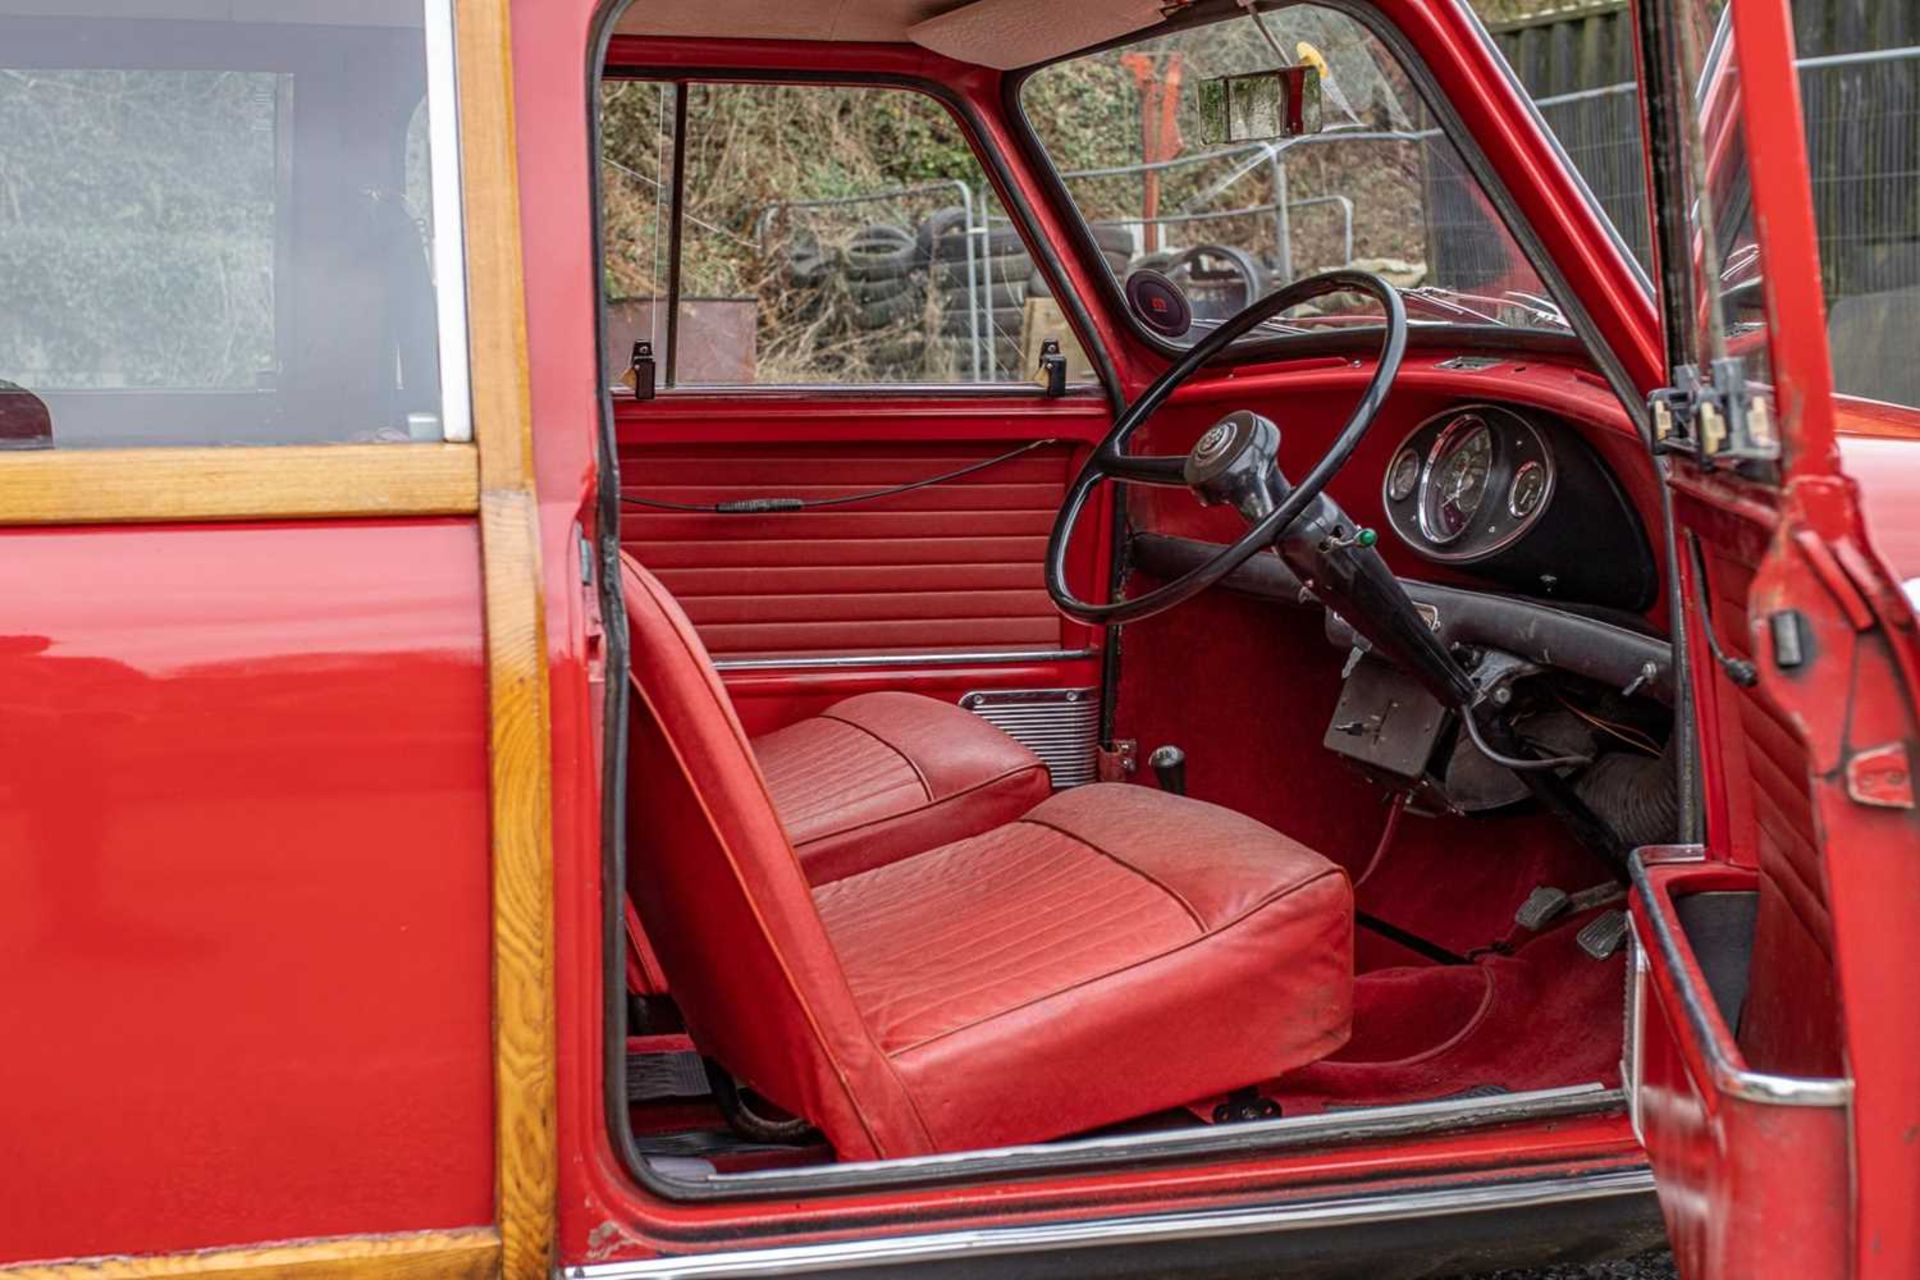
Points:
(1862, 115)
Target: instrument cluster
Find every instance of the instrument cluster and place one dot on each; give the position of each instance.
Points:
(1468, 483)
(1520, 498)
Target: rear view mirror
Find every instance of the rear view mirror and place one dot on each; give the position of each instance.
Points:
(1283, 103)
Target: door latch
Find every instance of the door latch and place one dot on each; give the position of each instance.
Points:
(1720, 418)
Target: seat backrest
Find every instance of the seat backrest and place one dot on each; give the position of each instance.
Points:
(726, 905)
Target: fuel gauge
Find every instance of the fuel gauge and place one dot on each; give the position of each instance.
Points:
(1528, 490)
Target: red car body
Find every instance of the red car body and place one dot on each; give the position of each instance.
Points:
(303, 914)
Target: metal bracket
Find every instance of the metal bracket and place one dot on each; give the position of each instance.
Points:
(1719, 418)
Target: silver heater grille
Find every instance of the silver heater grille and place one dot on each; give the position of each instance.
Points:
(1061, 726)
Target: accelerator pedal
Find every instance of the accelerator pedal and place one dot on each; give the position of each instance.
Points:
(1603, 935)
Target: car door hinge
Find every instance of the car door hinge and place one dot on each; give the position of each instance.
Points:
(1718, 419)
(1881, 777)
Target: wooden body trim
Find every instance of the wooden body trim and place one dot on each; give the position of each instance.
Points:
(119, 486)
(521, 759)
(472, 1254)
(493, 478)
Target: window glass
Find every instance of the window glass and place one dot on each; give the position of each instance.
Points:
(1377, 187)
(220, 230)
(1859, 74)
(829, 235)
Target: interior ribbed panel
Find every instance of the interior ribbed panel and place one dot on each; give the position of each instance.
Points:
(1790, 1023)
(955, 567)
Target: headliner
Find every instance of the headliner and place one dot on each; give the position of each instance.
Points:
(992, 33)
(882, 20)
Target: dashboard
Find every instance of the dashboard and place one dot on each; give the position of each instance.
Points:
(1518, 497)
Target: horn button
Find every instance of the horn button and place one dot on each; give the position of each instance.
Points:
(1237, 463)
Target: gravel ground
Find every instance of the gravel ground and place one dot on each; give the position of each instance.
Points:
(1648, 1266)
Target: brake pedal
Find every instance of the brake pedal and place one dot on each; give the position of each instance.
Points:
(1603, 935)
(1542, 907)
(1547, 904)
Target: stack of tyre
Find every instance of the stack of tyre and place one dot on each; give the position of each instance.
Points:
(998, 281)
(913, 299)
(885, 269)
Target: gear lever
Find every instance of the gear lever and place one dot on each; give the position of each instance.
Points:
(1169, 765)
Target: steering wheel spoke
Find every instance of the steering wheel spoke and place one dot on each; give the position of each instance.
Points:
(1165, 473)
(1109, 462)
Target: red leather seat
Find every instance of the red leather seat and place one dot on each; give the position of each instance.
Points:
(1115, 952)
(884, 775)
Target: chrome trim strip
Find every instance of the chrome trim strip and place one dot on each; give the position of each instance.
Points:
(1411, 1119)
(819, 662)
(1633, 1056)
(449, 223)
(993, 1242)
(1729, 1075)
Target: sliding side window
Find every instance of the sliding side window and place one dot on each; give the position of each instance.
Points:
(827, 236)
(228, 224)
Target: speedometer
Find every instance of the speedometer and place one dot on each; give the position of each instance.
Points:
(1455, 481)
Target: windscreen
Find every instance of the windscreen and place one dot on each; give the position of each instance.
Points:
(1372, 184)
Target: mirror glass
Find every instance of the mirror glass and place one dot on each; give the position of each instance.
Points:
(1283, 103)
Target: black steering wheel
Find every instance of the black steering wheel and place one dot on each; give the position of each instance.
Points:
(1111, 461)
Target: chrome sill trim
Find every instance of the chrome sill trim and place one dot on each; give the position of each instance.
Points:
(1715, 1040)
(1411, 1119)
(838, 661)
(992, 1242)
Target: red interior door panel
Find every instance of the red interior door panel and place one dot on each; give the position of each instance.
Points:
(954, 567)
(937, 590)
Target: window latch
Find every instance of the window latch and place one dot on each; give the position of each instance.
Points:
(1718, 419)
(1052, 373)
(640, 376)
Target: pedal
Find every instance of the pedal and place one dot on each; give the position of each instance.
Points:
(1547, 904)
(1603, 935)
(1543, 906)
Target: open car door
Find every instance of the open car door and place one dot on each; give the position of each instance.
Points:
(1773, 1063)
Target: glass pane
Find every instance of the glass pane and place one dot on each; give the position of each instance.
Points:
(1726, 311)
(1859, 72)
(1577, 64)
(1860, 93)
(217, 231)
(636, 177)
(1379, 187)
(841, 236)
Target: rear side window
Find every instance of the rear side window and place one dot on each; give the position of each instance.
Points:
(828, 236)
(224, 230)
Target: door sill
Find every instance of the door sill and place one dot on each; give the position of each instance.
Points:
(1288, 1133)
(1329, 1214)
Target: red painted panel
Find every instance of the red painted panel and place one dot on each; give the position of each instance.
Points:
(1718, 1156)
(244, 958)
(955, 566)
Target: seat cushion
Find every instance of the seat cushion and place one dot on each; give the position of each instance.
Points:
(884, 775)
(1115, 952)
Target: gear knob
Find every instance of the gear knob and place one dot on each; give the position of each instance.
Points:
(1169, 765)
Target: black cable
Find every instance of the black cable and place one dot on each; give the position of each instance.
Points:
(1515, 762)
(1739, 670)
(758, 506)
(1411, 941)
